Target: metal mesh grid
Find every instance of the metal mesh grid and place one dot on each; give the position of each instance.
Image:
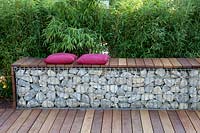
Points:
(124, 88)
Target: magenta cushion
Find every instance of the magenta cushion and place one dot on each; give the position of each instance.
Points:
(93, 59)
(60, 58)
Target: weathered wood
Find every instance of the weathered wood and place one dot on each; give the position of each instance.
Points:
(117, 121)
(157, 63)
(166, 123)
(20, 61)
(198, 60)
(140, 63)
(78, 121)
(39, 121)
(5, 115)
(20, 120)
(67, 124)
(35, 62)
(178, 127)
(131, 62)
(175, 63)
(2, 111)
(194, 119)
(58, 121)
(184, 62)
(87, 123)
(136, 121)
(42, 63)
(13, 88)
(146, 122)
(156, 123)
(193, 62)
(49, 121)
(107, 121)
(97, 122)
(114, 62)
(148, 63)
(29, 121)
(122, 62)
(9, 122)
(186, 121)
(126, 121)
(28, 62)
(166, 63)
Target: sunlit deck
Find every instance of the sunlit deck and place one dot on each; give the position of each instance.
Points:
(96, 121)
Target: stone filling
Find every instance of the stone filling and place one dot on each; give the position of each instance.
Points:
(108, 88)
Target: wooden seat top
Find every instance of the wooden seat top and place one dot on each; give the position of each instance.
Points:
(120, 63)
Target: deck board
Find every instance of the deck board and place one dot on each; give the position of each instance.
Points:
(58, 121)
(5, 115)
(98, 121)
(146, 122)
(39, 121)
(118, 62)
(136, 121)
(87, 123)
(131, 62)
(67, 124)
(166, 63)
(78, 121)
(148, 63)
(194, 119)
(126, 121)
(166, 123)
(157, 63)
(186, 121)
(9, 122)
(20, 120)
(29, 121)
(49, 121)
(117, 122)
(175, 120)
(107, 121)
(156, 123)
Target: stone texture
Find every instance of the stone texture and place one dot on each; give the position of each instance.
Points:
(108, 88)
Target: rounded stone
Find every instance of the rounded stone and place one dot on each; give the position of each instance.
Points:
(124, 105)
(51, 73)
(51, 95)
(22, 102)
(147, 96)
(32, 103)
(60, 102)
(113, 88)
(85, 98)
(160, 72)
(47, 104)
(181, 98)
(157, 90)
(40, 97)
(183, 106)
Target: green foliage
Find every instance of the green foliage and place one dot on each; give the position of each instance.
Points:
(154, 28)
(60, 38)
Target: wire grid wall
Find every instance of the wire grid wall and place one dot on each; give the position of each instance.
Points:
(105, 88)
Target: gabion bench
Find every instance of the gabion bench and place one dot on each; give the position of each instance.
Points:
(158, 83)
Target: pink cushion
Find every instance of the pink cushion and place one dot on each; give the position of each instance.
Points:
(93, 59)
(60, 58)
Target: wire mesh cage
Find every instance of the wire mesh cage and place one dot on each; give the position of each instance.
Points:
(105, 88)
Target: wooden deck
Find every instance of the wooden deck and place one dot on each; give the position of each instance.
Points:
(96, 121)
(119, 62)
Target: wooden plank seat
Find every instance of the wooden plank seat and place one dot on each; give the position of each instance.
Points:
(120, 63)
